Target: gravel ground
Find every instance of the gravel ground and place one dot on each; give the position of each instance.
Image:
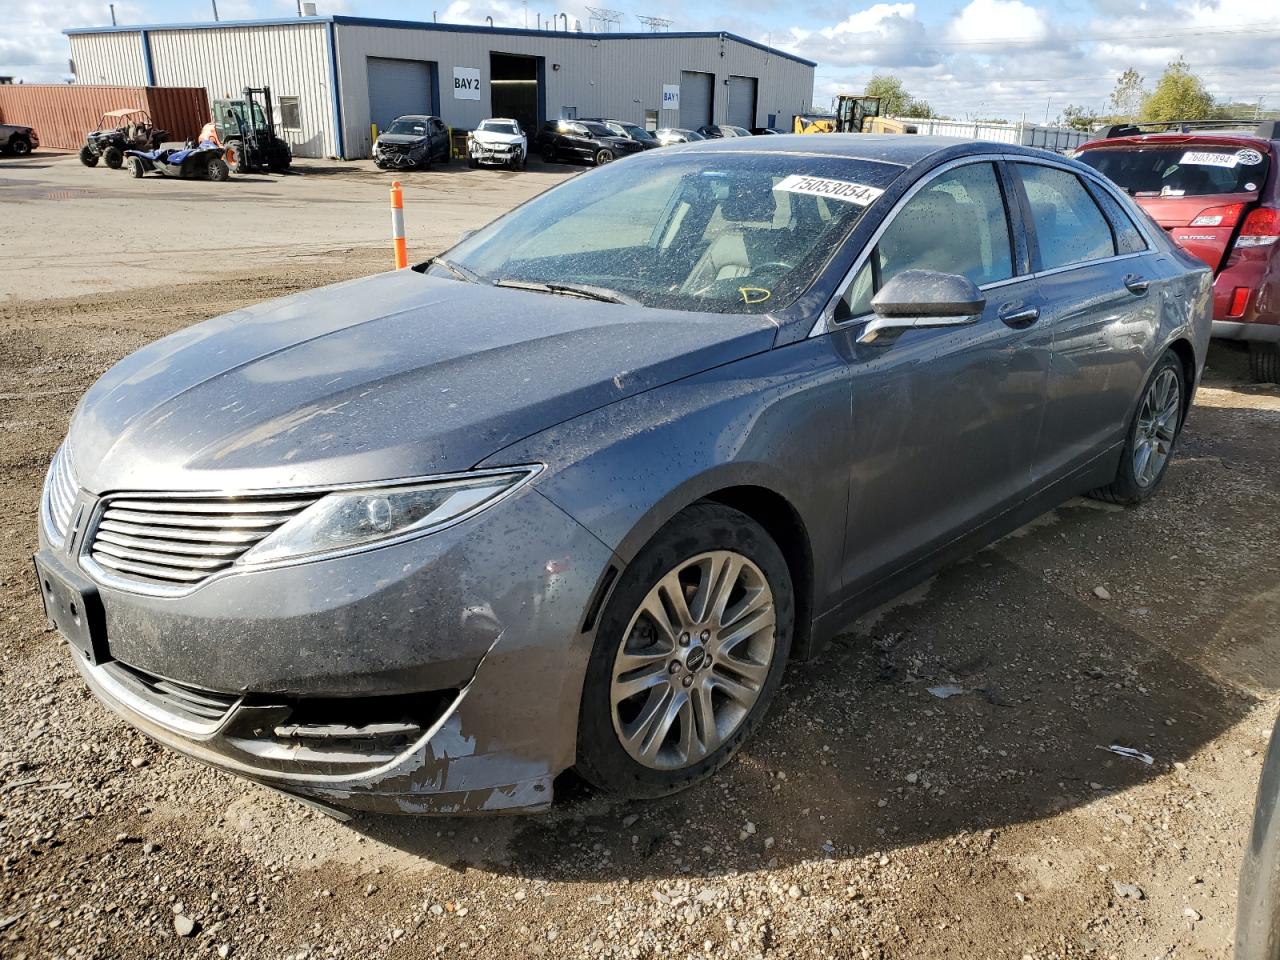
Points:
(870, 818)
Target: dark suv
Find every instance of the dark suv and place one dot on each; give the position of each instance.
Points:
(632, 131)
(582, 140)
(1212, 186)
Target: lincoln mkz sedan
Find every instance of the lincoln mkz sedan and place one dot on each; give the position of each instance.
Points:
(573, 493)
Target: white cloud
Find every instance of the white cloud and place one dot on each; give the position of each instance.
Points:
(984, 21)
(890, 34)
(32, 47)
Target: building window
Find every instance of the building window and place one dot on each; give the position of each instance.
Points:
(290, 114)
(568, 113)
(651, 120)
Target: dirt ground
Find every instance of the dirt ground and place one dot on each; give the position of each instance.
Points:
(868, 819)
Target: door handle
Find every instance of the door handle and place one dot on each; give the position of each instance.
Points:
(1016, 315)
(1137, 285)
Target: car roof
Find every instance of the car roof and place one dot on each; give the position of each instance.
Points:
(1236, 138)
(497, 120)
(902, 149)
(124, 112)
(415, 116)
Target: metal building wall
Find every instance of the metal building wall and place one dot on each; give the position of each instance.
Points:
(112, 58)
(598, 74)
(293, 60)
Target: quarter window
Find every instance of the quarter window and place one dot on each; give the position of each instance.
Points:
(956, 224)
(1129, 238)
(1070, 228)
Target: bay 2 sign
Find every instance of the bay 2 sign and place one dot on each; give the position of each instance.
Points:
(466, 83)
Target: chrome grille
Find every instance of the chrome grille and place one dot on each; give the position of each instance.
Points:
(59, 496)
(182, 541)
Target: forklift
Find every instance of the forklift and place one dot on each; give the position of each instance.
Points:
(246, 128)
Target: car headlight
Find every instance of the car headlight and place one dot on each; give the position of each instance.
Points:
(347, 520)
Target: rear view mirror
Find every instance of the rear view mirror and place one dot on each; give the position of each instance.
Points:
(923, 298)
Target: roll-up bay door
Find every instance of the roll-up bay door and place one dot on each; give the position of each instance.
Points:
(398, 88)
(696, 91)
(742, 102)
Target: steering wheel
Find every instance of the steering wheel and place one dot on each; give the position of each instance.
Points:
(783, 266)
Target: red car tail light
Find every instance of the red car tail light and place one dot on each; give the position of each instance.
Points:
(1218, 216)
(1261, 228)
(1239, 300)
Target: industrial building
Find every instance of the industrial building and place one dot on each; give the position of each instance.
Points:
(332, 77)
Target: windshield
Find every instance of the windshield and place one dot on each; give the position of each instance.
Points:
(637, 133)
(1184, 170)
(598, 130)
(499, 126)
(409, 128)
(725, 233)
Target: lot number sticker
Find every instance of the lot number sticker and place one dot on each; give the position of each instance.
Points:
(857, 193)
(466, 83)
(1203, 158)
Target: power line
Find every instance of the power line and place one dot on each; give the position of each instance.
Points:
(1233, 30)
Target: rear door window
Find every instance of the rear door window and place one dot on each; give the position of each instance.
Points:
(1184, 170)
(1069, 227)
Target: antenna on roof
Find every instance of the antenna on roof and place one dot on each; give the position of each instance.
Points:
(655, 24)
(605, 17)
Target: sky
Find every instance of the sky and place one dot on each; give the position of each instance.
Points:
(1012, 59)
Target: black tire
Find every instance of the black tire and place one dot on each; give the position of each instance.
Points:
(1264, 362)
(472, 162)
(113, 157)
(20, 146)
(602, 157)
(1126, 488)
(241, 158)
(549, 154)
(135, 168)
(601, 758)
(218, 170)
(88, 157)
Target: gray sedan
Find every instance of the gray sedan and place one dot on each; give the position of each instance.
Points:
(575, 492)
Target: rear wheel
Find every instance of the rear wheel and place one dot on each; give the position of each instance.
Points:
(218, 170)
(88, 157)
(135, 168)
(20, 146)
(1264, 362)
(688, 653)
(113, 157)
(1152, 435)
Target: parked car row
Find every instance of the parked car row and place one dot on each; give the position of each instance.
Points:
(17, 139)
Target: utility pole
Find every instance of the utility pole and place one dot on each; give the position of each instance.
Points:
(215, 10)
(1046, 110)
(113, 13)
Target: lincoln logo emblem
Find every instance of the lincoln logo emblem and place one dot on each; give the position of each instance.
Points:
(694, 660)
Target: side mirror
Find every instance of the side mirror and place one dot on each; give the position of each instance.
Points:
(916, 299)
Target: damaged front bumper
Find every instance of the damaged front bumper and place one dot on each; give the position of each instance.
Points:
(500, 154)
(440, 675)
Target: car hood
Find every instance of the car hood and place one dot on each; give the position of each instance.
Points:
(394, 375)
(400, 138)
(489, 136)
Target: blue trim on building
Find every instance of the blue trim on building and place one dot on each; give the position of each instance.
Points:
(542, 90)
(343, 20)
(333, 88)
(148, 65)
(435, 88)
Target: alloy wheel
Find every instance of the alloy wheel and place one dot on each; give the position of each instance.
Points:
(693, 661)
(1157, 427)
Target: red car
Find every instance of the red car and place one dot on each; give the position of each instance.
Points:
(1214, 189)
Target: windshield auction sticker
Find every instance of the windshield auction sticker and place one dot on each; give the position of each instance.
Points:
(831, 189)
(1203, 158)
(1249, 158)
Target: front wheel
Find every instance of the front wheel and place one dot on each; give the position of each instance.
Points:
(1264, 362)
(113, 158)
(549, 154)
(602, 157)
(688, 653)
(218, 170)
(135, 168)
(1152, 435)
(20, 146)
(88, 157)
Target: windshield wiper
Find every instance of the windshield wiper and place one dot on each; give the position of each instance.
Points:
(462, 273)
(587, 291)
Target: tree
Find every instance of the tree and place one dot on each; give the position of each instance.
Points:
(1180, 95)
(1078, 118)
(894, 99)
(1128, 95)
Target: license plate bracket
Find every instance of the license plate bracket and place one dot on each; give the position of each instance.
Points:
(74, 606)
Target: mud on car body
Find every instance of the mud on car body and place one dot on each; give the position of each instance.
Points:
(574, 492)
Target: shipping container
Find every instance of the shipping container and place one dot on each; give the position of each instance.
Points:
(62, 113)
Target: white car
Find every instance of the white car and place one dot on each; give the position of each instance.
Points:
(498, 141)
